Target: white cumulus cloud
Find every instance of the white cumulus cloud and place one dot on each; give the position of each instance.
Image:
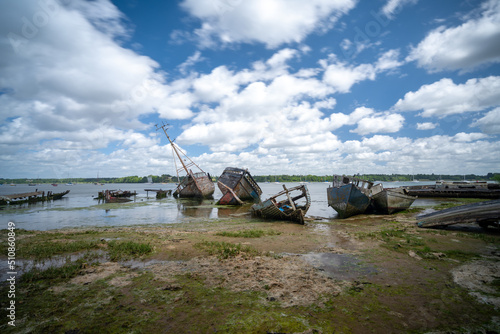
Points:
(444, 97)
(475, 42)
(271, 22)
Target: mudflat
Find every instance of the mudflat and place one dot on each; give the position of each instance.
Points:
(364, 274)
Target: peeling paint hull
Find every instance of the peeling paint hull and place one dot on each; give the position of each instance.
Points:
(237, 186)
(195, 185)
(390, 201)
(287, 208)
(347, 200)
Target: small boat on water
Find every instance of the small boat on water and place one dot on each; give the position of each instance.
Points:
(350, 196)
(484, 213)
(392, 200)
(290, 204)
(237, 186)
(197, 184)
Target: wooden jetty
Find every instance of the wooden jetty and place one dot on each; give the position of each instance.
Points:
(31, 197)
(484, 213)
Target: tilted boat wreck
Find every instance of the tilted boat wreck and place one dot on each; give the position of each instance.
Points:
(392, 200)
(285, 205)
(484, 213)
(350, 196)
(237, 186)
(197, 184)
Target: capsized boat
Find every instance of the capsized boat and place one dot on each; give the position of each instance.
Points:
(484, 213)
(289, 204)
(237, 186)
(350, 196)
(392, 200)
(197, 184)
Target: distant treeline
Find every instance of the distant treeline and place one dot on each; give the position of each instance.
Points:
(379, 177)
(165, 178)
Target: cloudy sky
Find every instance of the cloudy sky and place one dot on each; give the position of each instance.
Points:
(276, 86)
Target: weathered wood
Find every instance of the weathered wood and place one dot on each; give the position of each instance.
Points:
(274, 209)
(470, 213)
(23, 195)
(456, 190)
(31, 197)
(237, 186)
(392, 200)
(349, 196)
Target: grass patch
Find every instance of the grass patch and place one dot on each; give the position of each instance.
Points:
(54, 274)
(48, 249)
(248, 233)
(122, 250)
(225, 250)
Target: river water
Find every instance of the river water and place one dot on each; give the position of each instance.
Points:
(79, 208)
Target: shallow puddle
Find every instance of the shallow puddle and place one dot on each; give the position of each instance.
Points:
(339, 266)
(25, 265)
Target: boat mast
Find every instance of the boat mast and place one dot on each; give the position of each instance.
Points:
(176, 150)
(172, 144)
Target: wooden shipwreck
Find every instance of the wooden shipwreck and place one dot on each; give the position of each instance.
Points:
(31, 197)
(457, 189)
(484, 213)
(237, 186)
(350, 196)
(391, 200)
(285, 205)
(197, 184)
(115, 196)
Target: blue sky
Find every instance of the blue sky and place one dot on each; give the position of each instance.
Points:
(279, 87)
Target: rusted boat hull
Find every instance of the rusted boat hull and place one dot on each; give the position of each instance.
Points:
(347, 200)
(389, 201)
(287, 208)
(237, 186)
(195, 185)
(456, 190)
(482, 213)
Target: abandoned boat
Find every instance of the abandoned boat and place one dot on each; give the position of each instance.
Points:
(115, 196)
(392, 200)
(484, 213)
(197, 184)
(31, 197)
(285, 205)
(237, 186)
(350, 196)
(458, 189)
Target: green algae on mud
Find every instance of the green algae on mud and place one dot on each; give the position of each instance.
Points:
(188, 290)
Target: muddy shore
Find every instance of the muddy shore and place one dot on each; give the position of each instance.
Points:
(365, 274)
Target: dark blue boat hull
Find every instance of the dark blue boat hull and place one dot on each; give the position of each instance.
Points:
(347, 200)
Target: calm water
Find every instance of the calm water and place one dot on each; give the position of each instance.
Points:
(79, 208)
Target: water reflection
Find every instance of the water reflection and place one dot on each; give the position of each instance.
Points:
(193, 207)
(79, 207)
